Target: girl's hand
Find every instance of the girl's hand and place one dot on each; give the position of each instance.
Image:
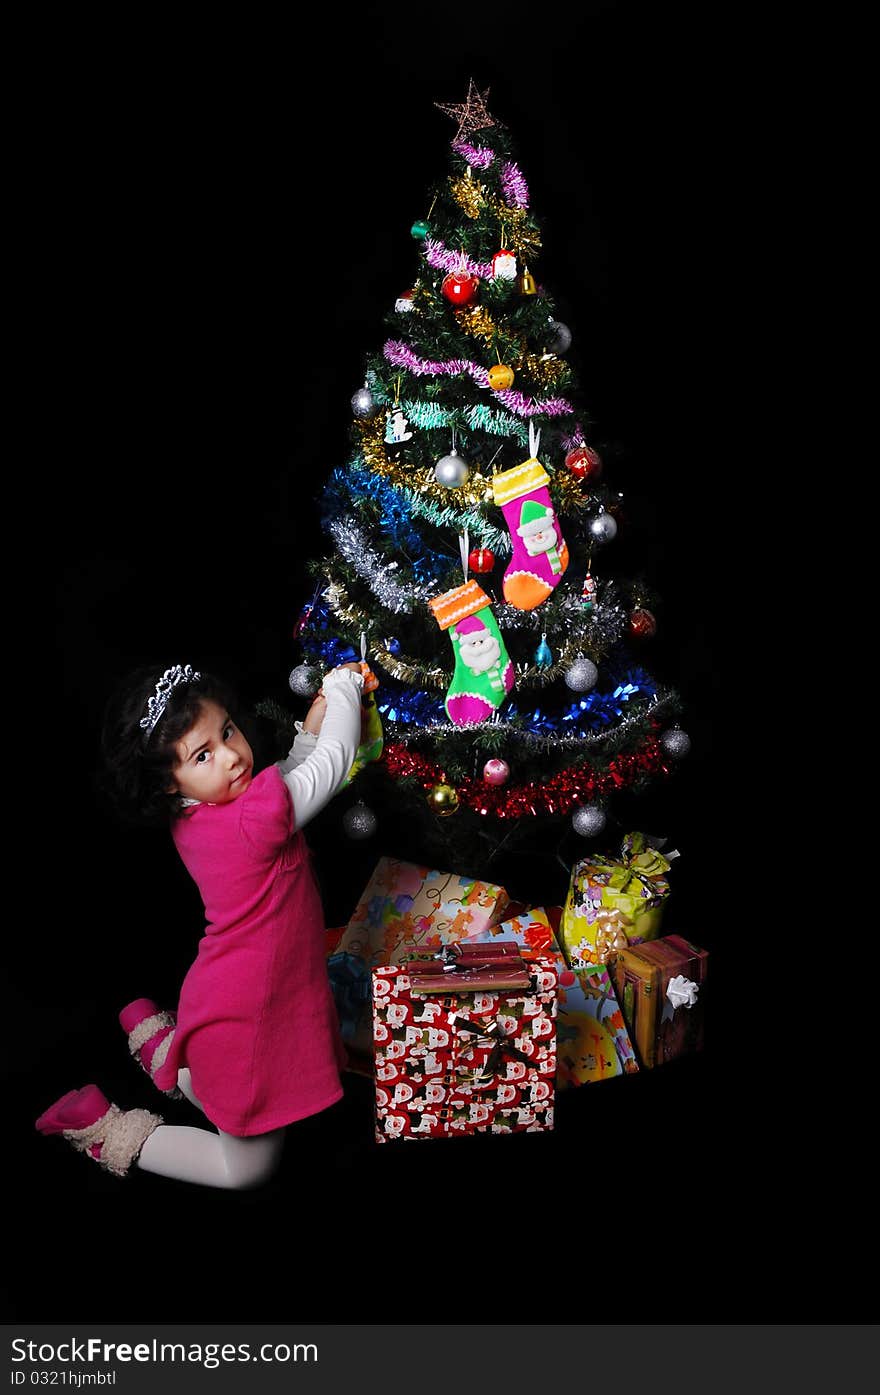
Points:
(315, 715)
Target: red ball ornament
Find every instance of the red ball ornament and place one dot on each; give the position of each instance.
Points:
(584, 463)
(496, 772)
(642, 624)
(481, 560)
(460, 288)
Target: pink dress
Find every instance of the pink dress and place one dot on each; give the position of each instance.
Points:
(256, 1023)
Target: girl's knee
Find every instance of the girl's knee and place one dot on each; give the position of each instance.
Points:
(246, 1179)
(252, 1162)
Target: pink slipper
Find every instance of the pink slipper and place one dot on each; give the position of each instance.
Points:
(113, 1137)
(75, 1110)
(150, 1033)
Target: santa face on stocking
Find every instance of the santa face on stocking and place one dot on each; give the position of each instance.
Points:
(538, 532)
(479, 650)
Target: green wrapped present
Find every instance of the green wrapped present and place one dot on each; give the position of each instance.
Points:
(612, 904)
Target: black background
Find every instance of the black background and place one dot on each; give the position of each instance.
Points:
(226, 222)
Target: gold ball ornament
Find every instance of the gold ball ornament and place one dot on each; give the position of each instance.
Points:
(443, 799)
(500, 377)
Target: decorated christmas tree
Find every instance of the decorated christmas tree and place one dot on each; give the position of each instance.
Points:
(471, 542)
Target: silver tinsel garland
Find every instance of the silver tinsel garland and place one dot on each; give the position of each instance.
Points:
(354, 546)
(406, 734)
(603, 628)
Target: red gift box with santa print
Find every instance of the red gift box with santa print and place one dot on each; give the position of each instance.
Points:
(473, 1056)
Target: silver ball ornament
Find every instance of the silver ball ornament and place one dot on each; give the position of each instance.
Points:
(359, 821)
(603, 528)
(304, 680)
(582, 675)
(451, 470)
(588, 820)
(561, 341)
(363, 404)
(675, 743)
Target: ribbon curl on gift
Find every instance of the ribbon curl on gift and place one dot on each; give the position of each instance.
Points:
(637, 877)
(680, 992)
(610, 934)
(501, 1048)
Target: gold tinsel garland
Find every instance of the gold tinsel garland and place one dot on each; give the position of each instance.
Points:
(567, 493)
(476, 490)
(517, 235)
(545, 371)
(470, 196)
(476, 321)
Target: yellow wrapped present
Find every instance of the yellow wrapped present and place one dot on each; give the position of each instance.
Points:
(613, 904)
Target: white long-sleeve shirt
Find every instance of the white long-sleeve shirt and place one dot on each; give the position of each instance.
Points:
(316, 766)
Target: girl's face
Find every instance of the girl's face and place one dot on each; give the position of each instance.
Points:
(214, 762)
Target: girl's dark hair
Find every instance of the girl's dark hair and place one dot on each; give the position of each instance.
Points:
(137, 764)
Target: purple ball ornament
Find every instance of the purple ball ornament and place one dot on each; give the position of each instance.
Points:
(496, 772)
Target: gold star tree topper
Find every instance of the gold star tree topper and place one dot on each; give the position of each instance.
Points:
(470, 115)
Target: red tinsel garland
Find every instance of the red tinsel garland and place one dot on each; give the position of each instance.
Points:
(557, 795)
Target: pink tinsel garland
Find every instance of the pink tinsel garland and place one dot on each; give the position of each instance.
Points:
(530, 407)
(402, 356)
(439, 256)
(480, 157)
(516, 190)
(577, 438)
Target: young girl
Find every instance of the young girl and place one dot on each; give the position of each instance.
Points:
(255, 1044)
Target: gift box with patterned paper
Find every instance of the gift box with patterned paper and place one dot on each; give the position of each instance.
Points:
(404, 907)
(464, 1052)
(592, 1041)
(613, 904)
(661, 987)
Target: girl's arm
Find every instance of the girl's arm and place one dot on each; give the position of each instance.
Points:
(316, 776)
(303, 744)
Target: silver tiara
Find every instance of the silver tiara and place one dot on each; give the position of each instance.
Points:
(164, 688)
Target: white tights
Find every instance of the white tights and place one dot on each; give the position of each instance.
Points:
(210, 1159)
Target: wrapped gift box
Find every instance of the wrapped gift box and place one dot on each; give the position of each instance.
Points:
(592, 1041)
(404, 907)
(660, 989)
(613, 904)
(459, 1051)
